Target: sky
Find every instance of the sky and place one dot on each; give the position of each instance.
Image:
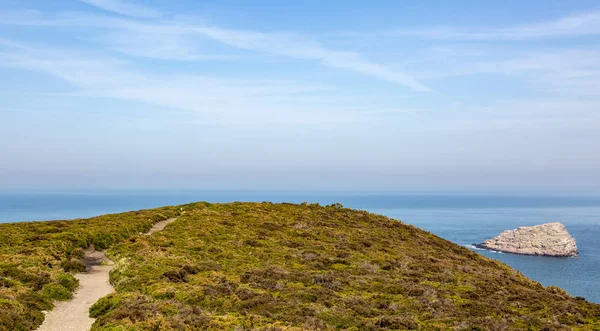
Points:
(406, 96)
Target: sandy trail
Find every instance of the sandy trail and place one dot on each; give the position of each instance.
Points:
(160, 225)
(73, 315)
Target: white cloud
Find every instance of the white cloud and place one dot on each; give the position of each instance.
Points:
(565, 72)
(548, 118)
(124, 8)
(232, 102)
(178, 40)
(303, 48)
(581, 24)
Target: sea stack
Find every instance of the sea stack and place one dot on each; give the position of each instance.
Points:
(550, 239)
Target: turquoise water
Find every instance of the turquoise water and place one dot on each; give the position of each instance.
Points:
(464, 220)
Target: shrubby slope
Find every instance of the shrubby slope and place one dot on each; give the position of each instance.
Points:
(37, 259)
(250, 266)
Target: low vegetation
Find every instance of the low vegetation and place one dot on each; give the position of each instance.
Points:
(264, 266)
(37, 259)
(246, 266)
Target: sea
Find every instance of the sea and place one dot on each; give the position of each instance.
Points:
(462, 219)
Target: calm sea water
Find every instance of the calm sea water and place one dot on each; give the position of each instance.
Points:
(464, 220)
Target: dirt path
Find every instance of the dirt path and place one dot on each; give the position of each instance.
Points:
(160, 226)
(73, 315)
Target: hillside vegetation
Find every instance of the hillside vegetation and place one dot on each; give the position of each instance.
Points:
(245, 266)
(264, 266)
(37, 259)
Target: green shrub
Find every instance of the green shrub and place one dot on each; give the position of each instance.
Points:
(73, 265)
(102, 240)
(8, 283)
(35, 301)
(56, 292)
(67, 281)
(103, 305)
(396, 323)
(12, 316)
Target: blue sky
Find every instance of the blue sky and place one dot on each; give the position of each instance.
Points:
(431, 96)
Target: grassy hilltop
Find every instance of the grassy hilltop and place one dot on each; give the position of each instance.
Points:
(244, 266)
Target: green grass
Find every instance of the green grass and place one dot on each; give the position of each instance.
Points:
(263, 266)
(37, 259)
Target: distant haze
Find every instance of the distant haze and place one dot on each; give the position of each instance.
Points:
(430, 96)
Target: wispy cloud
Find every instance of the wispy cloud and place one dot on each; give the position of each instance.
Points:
(565, 72)
(580, 24)
(124, 8)
(230, 102)
(298, 47)
(257, 93)
(180, 40)
(81, 70)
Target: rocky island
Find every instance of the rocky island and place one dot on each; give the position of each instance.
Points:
(550, 239)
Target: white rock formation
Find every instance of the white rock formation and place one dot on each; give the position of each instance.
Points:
(550, 239)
